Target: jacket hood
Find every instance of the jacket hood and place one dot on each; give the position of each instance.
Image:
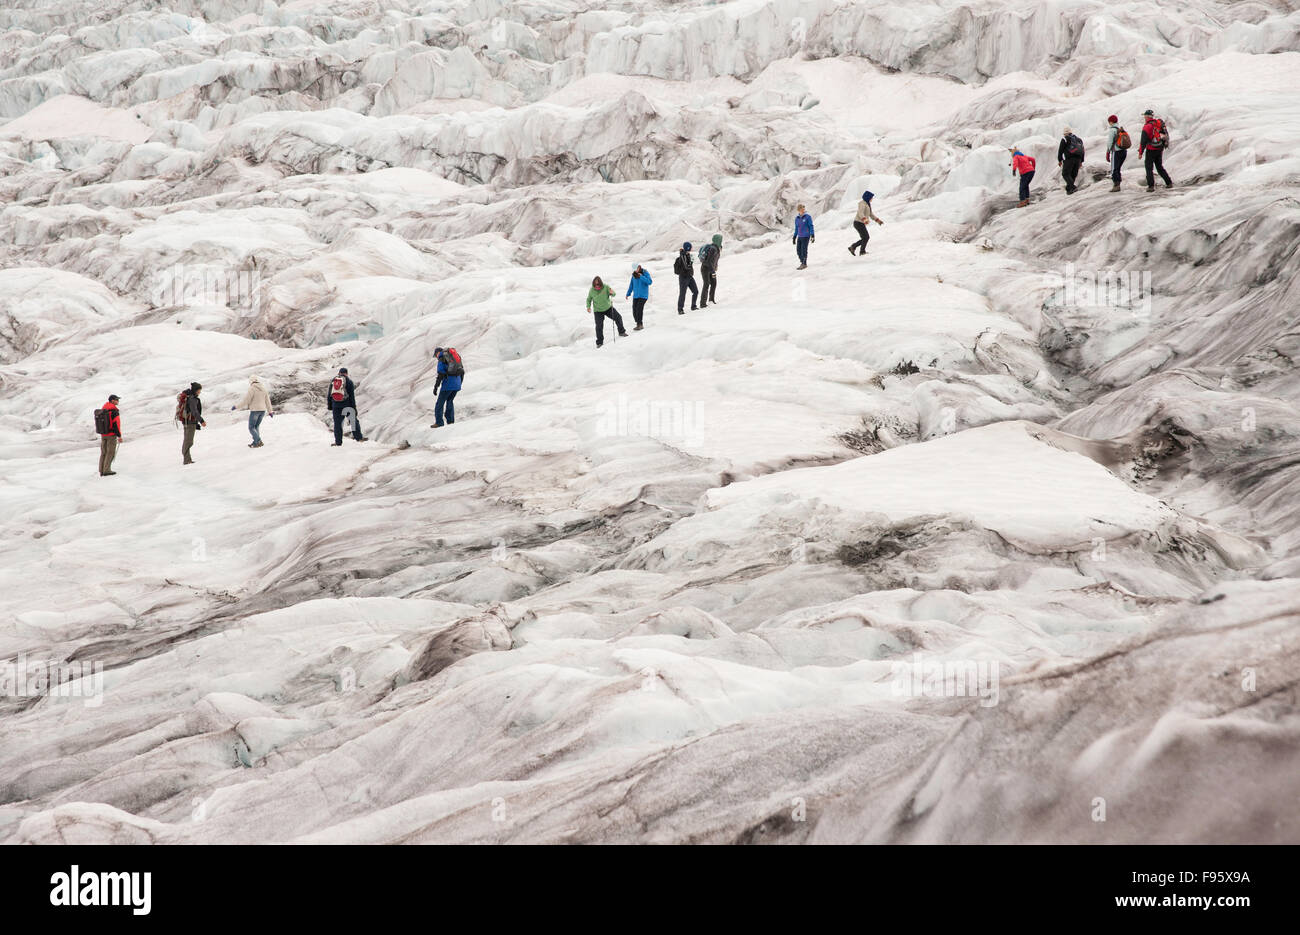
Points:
(717, 240)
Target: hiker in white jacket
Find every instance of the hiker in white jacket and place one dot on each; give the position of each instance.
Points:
(258, 403)
(864, 215)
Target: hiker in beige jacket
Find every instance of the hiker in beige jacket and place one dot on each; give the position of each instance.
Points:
(865, 214)
(258, 403)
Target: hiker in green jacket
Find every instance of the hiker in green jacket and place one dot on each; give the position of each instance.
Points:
(600, 299)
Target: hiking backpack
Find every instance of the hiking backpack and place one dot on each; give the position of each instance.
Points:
(455, 366)
(1122, 139)
(103, 421)
(707, 254)
(1162, 134)
(339, 388)
(682, 265)
(181, 400)
(1075, 147)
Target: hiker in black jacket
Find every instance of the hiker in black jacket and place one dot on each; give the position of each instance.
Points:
(685, 270)
(191, 421)
(1069, 156)
(710, 253)
(340, 396)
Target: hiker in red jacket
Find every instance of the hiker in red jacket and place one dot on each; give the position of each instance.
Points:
(1024, 165)
(1154, 142)
(112, 422)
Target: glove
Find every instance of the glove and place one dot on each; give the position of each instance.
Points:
(1108, 157)
(813, 239)
(232, 408)
(794, 239)
(271, 414)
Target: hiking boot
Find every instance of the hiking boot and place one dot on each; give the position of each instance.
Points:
(679, 312)
(1169, 184)
(622, 334)
(694, 308)
(1151, 188)
(336, 444)
(108, 474)
(1115, 187)
(852, 252)
(704, 305)
(362, 439)
(802, 266)
(639, 328)
(1021, 204)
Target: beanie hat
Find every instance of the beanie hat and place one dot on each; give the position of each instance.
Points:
(343, 370)
(717, 240)
(437, 351)
(113, 399)
(687, 245)
(867, 196)
(1112, 119)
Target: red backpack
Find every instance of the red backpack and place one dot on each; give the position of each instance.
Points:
(1157, 136)
(181, 400)
(339, 388)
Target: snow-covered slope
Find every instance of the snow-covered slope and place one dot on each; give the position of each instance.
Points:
(941, 543)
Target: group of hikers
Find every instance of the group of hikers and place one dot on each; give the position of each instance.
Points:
(600, 297)
(1152, 145)
(341, 394)
(340, 398)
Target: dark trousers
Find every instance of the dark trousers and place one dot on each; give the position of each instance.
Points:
(188, 442)
(708, 286)
(615, 317)
(1025, 179)
(446, 402)
(1155, 160)
(1070, 171)
(638, 308)
(684, 283)
(340, 413)
(107, 451)
(801, 248)
(863, 236)
(1116, 160)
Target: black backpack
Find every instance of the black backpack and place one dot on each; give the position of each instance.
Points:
(455, 366)
(103, 421)
(682, 265)
(1074, 147)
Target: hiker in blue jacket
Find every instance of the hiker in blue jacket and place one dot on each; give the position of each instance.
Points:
(447, 385)
(638, 288)
(803, 232)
